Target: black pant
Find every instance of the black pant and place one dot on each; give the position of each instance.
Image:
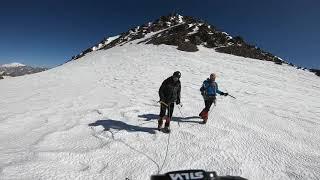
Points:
(164, 108)
(208, 102)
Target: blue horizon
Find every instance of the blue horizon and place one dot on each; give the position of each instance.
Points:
(48, 34)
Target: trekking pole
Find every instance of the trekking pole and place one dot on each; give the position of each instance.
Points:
(232, 96)
(180, 113)
(180, 110)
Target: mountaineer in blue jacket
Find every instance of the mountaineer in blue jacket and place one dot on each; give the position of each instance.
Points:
(209, 90)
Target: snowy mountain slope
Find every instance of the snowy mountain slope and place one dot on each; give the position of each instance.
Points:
(95, 118)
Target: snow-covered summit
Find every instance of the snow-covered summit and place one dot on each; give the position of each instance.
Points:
(15, 64)
(186, 33)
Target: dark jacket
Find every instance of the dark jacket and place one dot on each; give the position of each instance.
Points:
(170, 91)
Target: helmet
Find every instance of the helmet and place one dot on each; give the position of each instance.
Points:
(177, 74)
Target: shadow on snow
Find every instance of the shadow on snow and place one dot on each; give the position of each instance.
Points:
(119, 125)
(149, 117)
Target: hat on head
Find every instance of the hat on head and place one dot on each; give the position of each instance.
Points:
(177, 74)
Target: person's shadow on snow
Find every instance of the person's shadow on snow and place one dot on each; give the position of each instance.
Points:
(119, 125)
(149, 117)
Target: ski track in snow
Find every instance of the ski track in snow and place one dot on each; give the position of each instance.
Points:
(96, 118)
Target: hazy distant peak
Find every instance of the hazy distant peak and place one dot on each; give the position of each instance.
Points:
(15, 64)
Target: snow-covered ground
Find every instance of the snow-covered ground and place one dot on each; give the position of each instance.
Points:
(95, 118)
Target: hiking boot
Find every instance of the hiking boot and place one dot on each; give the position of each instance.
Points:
(204, 121)
(201, 113)
(204, 114)
(166, 129)
(160, 122)
(205, 117)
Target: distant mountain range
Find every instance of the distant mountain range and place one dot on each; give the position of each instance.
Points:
(17, 69)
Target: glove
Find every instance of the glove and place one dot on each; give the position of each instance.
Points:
(225, 94)
(178, 101)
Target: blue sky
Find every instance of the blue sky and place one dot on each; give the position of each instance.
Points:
(48, 33)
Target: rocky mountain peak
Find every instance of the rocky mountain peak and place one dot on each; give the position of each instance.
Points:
(187, 33)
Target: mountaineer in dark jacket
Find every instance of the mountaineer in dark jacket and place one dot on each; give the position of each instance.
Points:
(169, 93)
(209, 90)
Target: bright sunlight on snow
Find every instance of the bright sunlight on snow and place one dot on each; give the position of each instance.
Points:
(96, 118)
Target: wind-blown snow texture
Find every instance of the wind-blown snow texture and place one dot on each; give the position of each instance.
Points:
(95, 118)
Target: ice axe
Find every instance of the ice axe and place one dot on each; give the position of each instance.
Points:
(161, 102)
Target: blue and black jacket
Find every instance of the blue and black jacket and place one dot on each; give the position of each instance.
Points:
(210, 88)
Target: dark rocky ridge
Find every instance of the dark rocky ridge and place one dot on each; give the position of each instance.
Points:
(316, 71)
(187, 33)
